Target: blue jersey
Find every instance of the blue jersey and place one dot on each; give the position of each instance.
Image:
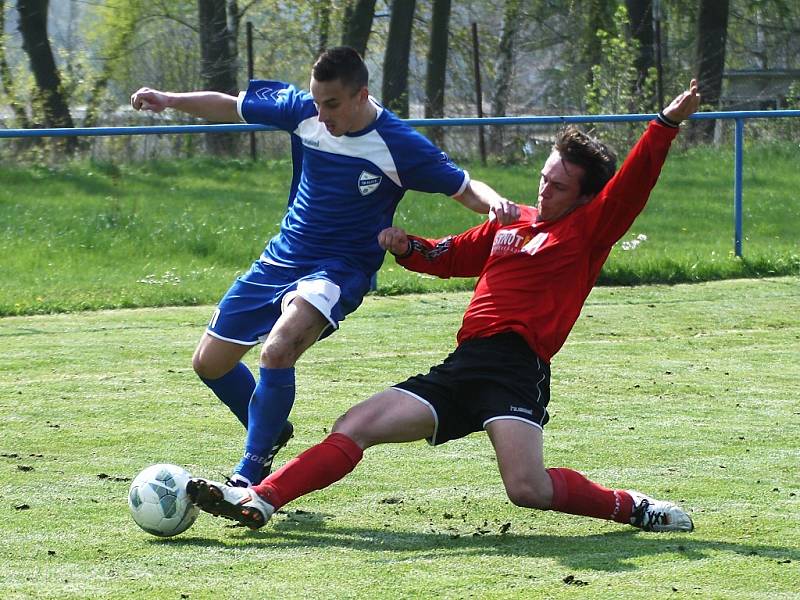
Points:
(344, 189)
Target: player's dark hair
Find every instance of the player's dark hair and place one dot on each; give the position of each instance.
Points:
(343, 63)
(598, 160)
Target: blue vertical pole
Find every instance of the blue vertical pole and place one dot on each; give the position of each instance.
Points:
(737, 187)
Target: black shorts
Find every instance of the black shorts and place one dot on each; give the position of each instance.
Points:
(484, 379)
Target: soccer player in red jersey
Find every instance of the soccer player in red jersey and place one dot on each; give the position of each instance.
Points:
(533, 278)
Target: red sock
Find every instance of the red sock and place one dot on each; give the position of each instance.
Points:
(576, 495)
(314, 469)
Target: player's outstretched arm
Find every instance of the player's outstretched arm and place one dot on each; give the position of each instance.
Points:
(462, 255)
(212, 106)
(624, 197)
(684, 104)
(482, 199)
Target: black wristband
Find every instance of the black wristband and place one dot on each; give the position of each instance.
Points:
(666, 120)
(407, 253)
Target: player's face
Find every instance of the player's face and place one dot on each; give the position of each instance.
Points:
(559, 188)
(340, 109)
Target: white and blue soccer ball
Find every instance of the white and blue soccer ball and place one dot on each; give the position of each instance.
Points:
(158, 500)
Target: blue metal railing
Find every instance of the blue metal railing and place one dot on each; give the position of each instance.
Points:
(738, 116)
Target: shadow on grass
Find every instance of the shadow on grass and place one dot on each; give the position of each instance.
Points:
(610, 551)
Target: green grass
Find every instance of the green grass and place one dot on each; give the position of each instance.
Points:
(93, 236)
(687, 392)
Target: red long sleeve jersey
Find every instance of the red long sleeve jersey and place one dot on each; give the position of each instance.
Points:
(535, 276)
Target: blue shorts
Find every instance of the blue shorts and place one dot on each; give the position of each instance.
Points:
(253, 304)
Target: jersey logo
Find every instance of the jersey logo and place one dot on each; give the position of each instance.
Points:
(266, 93)
(445, 160)
(368, 182)
(511, 241)
(536, 243)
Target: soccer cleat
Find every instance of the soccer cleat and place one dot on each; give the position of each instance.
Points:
(240, 504)
(237, 480)
(658, 515)
(285, 435)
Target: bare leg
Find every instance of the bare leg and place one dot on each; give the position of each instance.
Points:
(388, 417)
(296, 330)
(519, 449)
(213, 357)
(218, 364)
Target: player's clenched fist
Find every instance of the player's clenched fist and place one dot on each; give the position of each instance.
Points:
(394, 240)
(149, 99)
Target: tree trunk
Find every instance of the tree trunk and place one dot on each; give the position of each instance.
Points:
(6, 79)
(234, 18)
(323, 18)
(33, 27)
(640, 15)
(218, 64)
(436, 70)
(712, 32)
(504, 68)
(395, 61)
(358, 24)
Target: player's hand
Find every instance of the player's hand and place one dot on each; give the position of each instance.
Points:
(505, 211)
(394, 240)
(684, 104)
(149, 99)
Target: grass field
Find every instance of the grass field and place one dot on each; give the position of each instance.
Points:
(91, 236)
(687, 392)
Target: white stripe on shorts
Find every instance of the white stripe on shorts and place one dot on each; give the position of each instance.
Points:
(512, 418)
(231, 340)
(431, 440)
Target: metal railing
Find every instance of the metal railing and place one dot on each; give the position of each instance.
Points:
(738, 116)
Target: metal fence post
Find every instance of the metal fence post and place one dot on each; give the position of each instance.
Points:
(738, 142)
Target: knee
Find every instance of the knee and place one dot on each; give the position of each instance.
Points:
(206, 369)
(278, 354)
(527, 495)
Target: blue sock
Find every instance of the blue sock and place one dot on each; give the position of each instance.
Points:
(270, 405)
(234, 389)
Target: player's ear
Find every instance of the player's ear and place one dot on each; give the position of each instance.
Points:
(584, 199)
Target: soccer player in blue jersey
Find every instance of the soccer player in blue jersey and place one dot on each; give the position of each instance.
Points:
(353, 160)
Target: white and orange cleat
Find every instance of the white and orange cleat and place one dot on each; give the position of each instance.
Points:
(240, 504)
(658, 515)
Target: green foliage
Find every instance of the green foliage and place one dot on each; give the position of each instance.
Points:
(108, 49)
(612, 89)
(763, 33)
(113, 31)
(684, 392)
(774, 129)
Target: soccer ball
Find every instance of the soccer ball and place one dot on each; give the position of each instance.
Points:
(158, 500)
